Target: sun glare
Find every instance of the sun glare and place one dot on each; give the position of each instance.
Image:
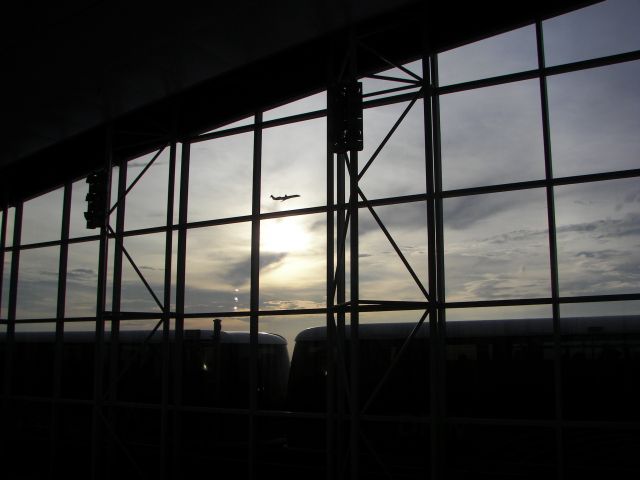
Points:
(284, 235)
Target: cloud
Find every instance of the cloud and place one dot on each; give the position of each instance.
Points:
(239, 273)
(463, 212)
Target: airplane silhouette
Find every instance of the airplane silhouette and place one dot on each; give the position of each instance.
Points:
(283, 198)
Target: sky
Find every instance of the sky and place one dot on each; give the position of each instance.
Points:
(496, 245)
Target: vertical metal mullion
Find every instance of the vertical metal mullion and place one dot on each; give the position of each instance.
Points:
(331, 333)
(116, 296)
(59, 338)
(340, 300)
(355, 316)
(96, 444)
(354, 321)
(166, 316)
(255, 289)
(553, 248)
(117, 283)
(3, 244)
(431, 259)
(180, 296)
(13, 298)
(9, 403)
(440, 414)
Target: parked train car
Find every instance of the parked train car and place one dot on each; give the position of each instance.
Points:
(496, 370)
(214, 373)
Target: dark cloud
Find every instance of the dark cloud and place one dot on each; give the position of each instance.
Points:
(464, 212)
(629, 225)
(81, 274)
(239, 273)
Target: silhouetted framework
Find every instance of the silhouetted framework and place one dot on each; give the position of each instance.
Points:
(113, 434)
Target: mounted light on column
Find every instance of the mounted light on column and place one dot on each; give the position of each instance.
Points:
(96, 200)
(344, 117)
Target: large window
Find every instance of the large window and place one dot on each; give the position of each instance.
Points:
(476, 294)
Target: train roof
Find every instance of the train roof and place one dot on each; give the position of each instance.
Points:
(139, 336)
(489, 328)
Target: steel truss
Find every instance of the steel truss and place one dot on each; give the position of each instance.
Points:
(344, 447)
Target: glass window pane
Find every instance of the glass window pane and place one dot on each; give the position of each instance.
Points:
(383, 275)
(595, 119)
(78, 364)
(606, 28)
(510, 52)
(148, 252)
(399, 168)
(500, 451)
(11, 213)
(218, 268)
(82, 280)
(496, 246)
(38, 283)
(500, 362)
(294, 162)
(492, 135)
(33, 362)
(278, 343)
(293, 262)
(317, 101)
(220, 177)
(601, 452)
(6, 276)
(42, 218)
(598, 237)
(146, 202)
(600, 360)
(216, 370)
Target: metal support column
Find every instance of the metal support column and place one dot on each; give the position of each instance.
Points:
(340, 447)
(330, 321)
(3, 243)
(438, 321)
(96, 443)
(60, 310)
(553, 249)
(9, 402)
(166, 320)
(255, 291)
(355, 316)
(179, 326)
(116, 296)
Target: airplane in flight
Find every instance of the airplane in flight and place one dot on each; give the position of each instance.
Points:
(283, 198)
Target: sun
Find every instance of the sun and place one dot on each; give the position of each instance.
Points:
(284, 235)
